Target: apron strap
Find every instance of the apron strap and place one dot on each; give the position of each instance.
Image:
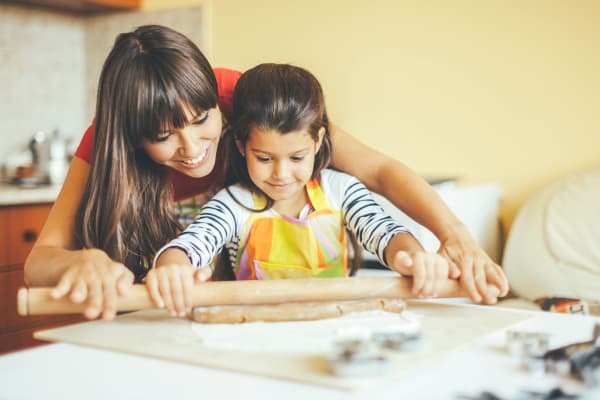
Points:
(316, 195)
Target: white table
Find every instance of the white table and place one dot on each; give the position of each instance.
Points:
(63, 371)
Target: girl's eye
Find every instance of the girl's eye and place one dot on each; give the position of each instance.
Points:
(263, 159)
(201, 119)
(297, 158)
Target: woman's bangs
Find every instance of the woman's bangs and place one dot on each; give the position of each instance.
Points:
(163, 105)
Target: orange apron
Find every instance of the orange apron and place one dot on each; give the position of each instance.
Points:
(275, 246)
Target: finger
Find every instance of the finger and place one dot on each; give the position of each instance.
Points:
(79, 292)
(177, 291)
(441, 274)
(495, 279)
(153, 289)
(418, 274)
(480, 277)
(187, 287)
(500, 279)
(110, 298)
(403, 260)
(467, 279)
(453, 270)
(429, 278)
(202, 274)
(124, 281)
(94, 300)
(63, 287)
(164, 286)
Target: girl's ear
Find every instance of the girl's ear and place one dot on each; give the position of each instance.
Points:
(321, 133)
(240, 147)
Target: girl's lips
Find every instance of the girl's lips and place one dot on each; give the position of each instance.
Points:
(280, 186)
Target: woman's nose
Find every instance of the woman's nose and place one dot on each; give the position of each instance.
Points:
(188, 144)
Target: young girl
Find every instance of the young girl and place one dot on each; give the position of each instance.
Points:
(286, 216)
(156, 142)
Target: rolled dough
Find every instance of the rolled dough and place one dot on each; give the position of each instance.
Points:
(297, 311)
(303, 337)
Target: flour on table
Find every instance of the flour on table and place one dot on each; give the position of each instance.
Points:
(303, 336)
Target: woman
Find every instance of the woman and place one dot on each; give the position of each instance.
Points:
(159, 119)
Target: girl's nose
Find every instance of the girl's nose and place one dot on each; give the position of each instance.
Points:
(281, 169)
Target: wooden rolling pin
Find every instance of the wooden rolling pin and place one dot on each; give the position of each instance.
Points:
(37, 301)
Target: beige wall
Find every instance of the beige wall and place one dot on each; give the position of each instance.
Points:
(50, 62)
(505, 91)
(42, 68)
(101, 32)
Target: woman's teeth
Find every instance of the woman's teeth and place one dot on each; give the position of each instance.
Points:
(197, 159)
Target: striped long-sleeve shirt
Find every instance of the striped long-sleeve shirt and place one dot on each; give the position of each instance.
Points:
(221, 220)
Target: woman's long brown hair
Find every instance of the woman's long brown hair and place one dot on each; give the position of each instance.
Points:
(150, 78)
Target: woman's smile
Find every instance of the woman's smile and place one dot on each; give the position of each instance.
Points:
(196, 161)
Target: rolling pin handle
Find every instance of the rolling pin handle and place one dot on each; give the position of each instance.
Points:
(22, 301)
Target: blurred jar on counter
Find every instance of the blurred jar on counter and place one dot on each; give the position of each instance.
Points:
(57, 164)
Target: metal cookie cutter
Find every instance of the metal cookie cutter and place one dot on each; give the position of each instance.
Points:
(581, 359)
(358, 358)
(527, 343)
(398, 341)
(528, 348)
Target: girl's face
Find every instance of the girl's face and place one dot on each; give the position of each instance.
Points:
(281, 164)
(191, 150)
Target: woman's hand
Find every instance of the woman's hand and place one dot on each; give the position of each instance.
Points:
(96, 280)
(477, 272)
(427, 269)
(170, 286)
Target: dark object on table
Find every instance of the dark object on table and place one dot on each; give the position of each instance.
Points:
(553, 394)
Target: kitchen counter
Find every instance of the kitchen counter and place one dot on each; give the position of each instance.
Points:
(480, 365)
(11, 195)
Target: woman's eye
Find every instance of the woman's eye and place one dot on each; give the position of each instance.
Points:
(297, 158)
(162, 137)
(201, 119)
(263, 159)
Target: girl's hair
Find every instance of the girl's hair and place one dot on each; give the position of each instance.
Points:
(276, 97)
(282, 98)
(151, 77)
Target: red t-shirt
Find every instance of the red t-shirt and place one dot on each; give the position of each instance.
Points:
(183, 185)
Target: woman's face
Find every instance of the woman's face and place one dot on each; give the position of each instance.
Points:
(192, 149)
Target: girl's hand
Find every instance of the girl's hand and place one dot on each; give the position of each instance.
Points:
(427, 269)
(97, 280)
(477, 272)
(170, 286)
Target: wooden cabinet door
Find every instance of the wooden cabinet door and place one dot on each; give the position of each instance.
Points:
(24, 226)
(3, 236)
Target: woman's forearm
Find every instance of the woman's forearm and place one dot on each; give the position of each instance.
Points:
(55, 251)
(395, 181)
(45, 264)
(415, 196)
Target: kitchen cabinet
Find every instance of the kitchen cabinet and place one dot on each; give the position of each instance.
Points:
(19, 229)
(83, 6)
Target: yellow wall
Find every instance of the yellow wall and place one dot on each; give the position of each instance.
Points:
(505, 90)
